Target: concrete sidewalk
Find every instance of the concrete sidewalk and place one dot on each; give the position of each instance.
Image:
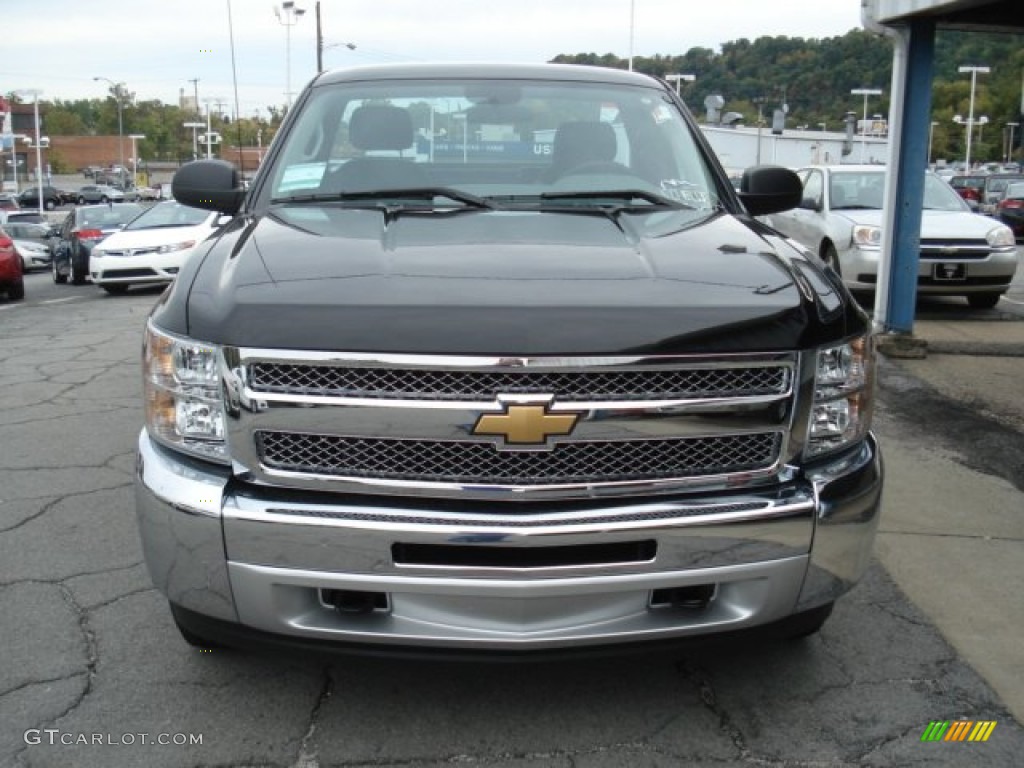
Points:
(952, 531)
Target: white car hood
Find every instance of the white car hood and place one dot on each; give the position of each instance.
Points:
(133, 239)
(935, 225)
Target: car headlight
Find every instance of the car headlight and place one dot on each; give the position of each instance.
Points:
(176, 247)
(184, 406)
(867, 237)
(1000, 237)
(843, 396)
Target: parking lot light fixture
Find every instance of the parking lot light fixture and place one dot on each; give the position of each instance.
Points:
(288, 15)
(679, 78)
(865, 92)
(970, 110)
(120, 122)
(135, 155)
(34, 93)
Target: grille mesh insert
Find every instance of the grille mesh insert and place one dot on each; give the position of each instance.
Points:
(480, 463)
(428, 384)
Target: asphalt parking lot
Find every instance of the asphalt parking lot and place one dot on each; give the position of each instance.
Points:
(93, 670)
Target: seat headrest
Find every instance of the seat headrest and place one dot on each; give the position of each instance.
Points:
(378, 126)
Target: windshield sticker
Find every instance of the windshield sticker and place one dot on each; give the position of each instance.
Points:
(685, 192)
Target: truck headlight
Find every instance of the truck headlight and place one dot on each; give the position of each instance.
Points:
(843, 396)
(184, 406)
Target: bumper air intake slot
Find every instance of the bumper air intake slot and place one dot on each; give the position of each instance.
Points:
(693, 598)
(354, 602)
(464, 556)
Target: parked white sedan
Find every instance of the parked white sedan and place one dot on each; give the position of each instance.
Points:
(152, 247)
(840, 219)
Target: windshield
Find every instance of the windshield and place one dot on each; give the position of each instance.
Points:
(107, 216)
(864, 190)
(492, 143)
(169, 214)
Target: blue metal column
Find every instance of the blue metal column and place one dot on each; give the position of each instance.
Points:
(913, 159)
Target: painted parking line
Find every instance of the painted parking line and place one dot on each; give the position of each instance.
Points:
(59, 301)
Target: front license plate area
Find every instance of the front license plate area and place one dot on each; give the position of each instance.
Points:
(949, 273)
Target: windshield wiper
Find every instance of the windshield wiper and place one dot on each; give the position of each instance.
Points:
(422, 193)
(625, 195)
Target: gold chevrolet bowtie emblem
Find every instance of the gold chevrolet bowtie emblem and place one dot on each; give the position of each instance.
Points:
(525, 424)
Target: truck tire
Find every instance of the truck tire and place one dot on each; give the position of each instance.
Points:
(17, 291)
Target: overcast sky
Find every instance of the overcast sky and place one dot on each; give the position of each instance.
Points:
(156, 47)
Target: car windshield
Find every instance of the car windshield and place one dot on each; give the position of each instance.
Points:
(107, 216)
(486, 144)
(865, 190)
(168, 214)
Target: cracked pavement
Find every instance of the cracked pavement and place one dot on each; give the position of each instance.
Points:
(88, 646)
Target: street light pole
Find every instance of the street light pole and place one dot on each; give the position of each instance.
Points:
(1009, 144)
(135, 154)
(931, 135)
(288, 15)
(865, 92)
(970, 110)
(34, 93)
(120, 123)
(679, 78)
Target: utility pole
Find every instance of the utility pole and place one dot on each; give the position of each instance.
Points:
(198, 121)
(319, 41)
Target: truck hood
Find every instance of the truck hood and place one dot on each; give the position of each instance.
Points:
(507, 283)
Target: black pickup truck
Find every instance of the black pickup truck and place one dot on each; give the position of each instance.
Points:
(495, 358)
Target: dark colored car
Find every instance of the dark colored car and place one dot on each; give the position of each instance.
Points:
(52, 197)
(992, 191)
(12, 281)
(969, 188)
(80, 231)
(1010, 209)
(495, 358)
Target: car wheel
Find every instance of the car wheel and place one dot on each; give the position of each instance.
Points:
(77, 272)
(81, 200)
(807, 623)
(50, 205)
(17, 291)
(115, 289)
(831, 257)
(191, 637)
(104, 199)
(57, 276)
(983, 300)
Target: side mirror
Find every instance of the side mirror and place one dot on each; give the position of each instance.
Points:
(212, 185)
(770, 189)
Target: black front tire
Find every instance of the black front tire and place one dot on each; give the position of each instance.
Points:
(78, 271)
(81, 200)
(983, 300)
(831, 257)
(17, 291)
(190, 637)
(58, 278)
(50, 205)
(801, 625)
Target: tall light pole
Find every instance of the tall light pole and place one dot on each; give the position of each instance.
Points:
(135, 155)
(970, 110)
(865, 92)
(1009, 144)
(288, 14)
(931, 136)
(120, 122)
(679, 78)
(34, 93)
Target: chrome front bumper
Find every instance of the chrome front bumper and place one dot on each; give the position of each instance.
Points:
(270, 560)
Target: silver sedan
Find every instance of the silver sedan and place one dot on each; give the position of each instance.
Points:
(840, 219)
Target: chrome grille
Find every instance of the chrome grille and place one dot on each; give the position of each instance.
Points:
(468, 462)
(591, 385)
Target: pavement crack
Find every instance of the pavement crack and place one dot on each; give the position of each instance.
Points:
(307, 757)
(699, 678)
(43, 681)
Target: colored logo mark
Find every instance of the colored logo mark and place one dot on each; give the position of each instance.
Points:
(958, 730)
